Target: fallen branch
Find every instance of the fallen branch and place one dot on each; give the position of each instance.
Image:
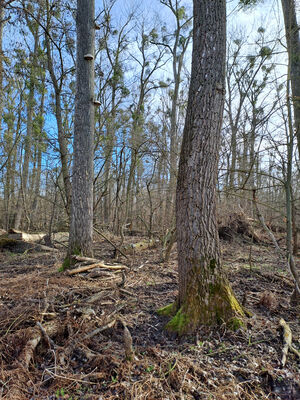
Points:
(22, 364)
(101, 329)
(86, 260)
(287, 339)
(110, 242)
(97, 265)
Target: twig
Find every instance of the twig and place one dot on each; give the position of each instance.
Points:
(109, 241)
(46, 336)
(99, 330)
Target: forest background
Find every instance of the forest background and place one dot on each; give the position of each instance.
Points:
(143, 55)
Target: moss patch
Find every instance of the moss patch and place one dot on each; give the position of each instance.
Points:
(179, 323)
(235, 323)
(65, 265)
(168, 310)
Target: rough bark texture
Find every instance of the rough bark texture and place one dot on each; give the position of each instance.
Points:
(293, 47)
(81, 226)
(205, 296)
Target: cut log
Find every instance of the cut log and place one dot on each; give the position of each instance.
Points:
(27, 237)
(137, 247)
(97, 265)
(3, 232)
(60, 236)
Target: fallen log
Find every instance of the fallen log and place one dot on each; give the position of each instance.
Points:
(26, 237)
(97, 265)
(20, 246)
(136, 247)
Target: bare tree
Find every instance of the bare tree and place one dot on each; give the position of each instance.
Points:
(81, 224)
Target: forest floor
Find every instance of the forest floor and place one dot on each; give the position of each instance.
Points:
(85, 357)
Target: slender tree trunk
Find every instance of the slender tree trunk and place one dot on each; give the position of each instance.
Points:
(81, 224)
(295, 298)
(22, 197)
(205, 296)
(38, 169)
(110, 141)
(62, 141)
(1, 63)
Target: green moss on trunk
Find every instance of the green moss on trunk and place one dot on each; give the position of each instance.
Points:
(69, 261)
(179, 322)
(169, 310)
(212, 304)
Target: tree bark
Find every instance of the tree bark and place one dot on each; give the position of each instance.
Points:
(293, 47)
(205, 296)
(81, 224)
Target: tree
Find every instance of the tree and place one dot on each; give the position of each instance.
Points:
(293, 49)
(81, 224)
(177, 43)
(58, 83)
(23, 191)
(205, 296)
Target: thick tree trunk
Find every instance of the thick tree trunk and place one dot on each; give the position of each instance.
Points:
(205, 296)
(81, 225)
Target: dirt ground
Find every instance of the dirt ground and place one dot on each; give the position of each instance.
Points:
(81, 354)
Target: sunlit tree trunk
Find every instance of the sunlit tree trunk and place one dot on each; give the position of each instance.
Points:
(81, 224)
(205, 296)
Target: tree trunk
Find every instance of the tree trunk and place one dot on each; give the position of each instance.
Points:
(22, 197)
(81, 224)
(63, 144)
(293, 47)
(38, 170)
(1, 64)
(205, 296)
